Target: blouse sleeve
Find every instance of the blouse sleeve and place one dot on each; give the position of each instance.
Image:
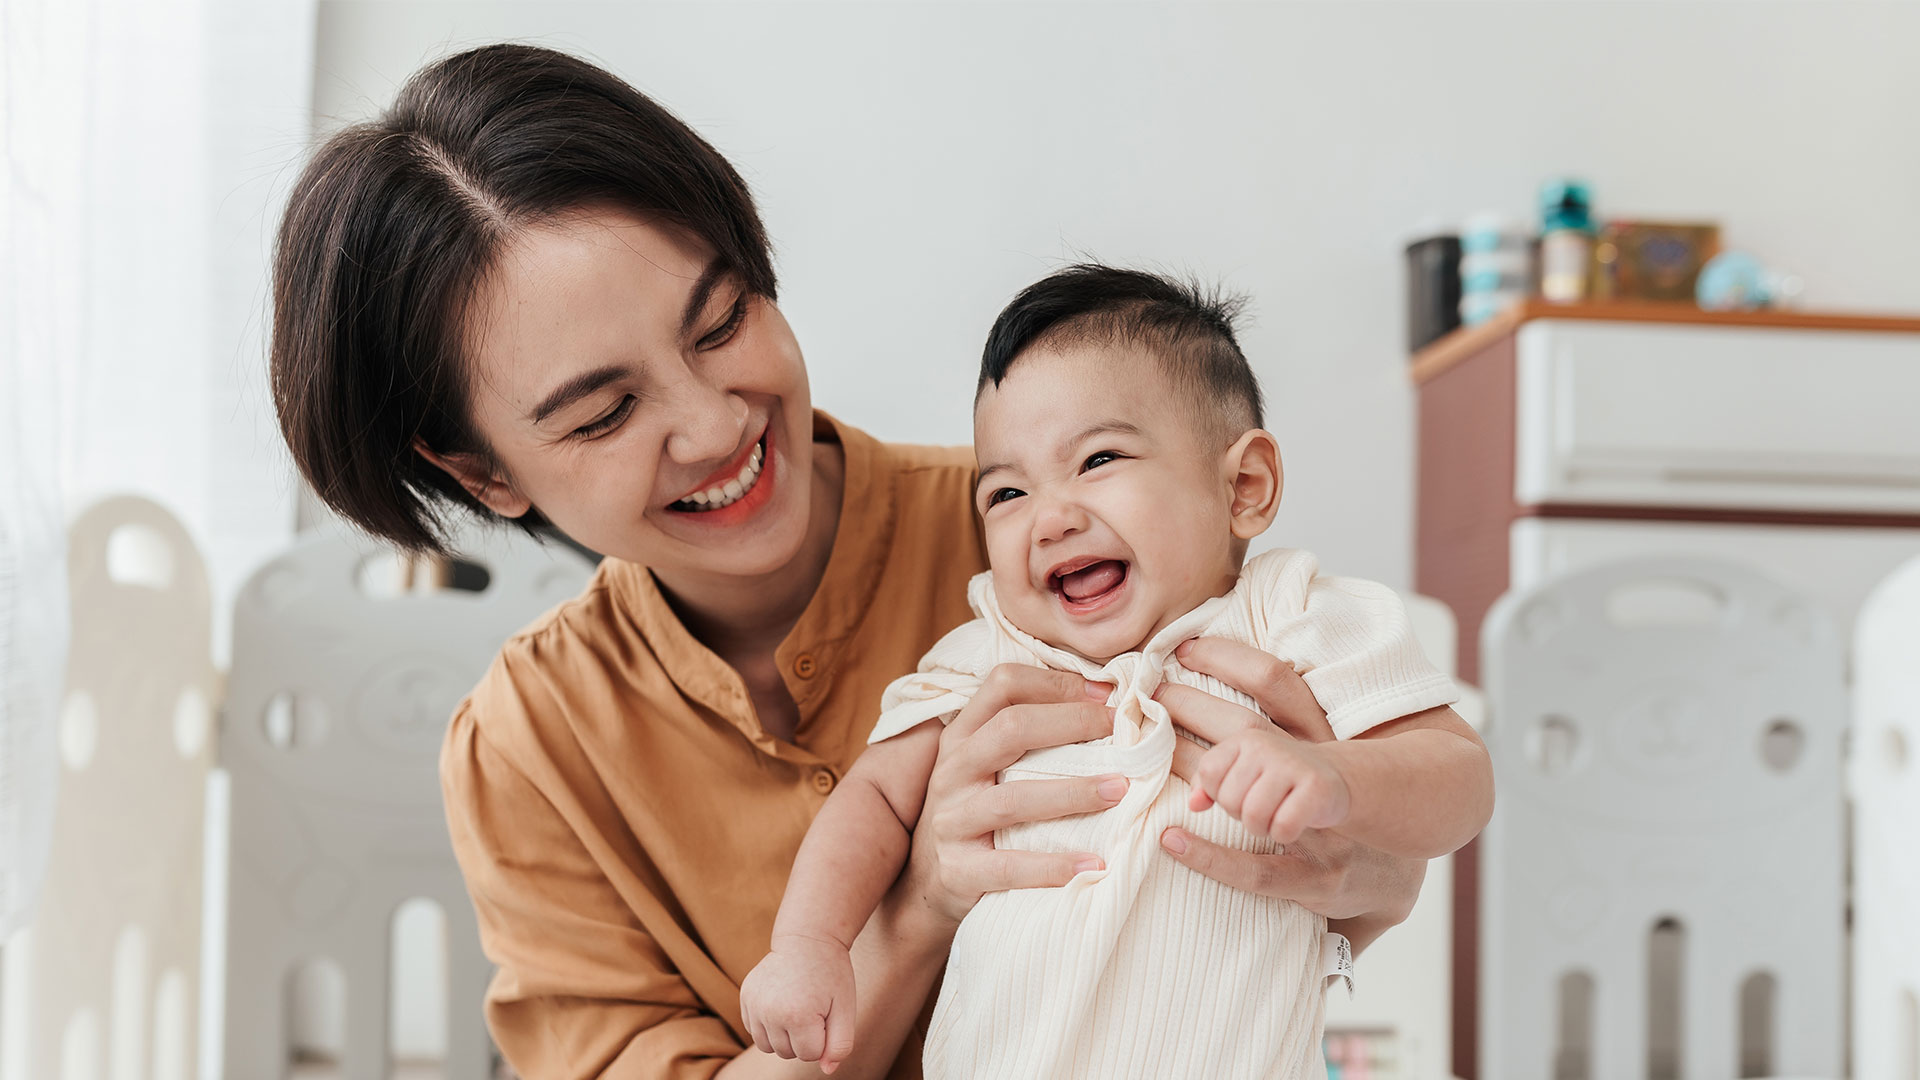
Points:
(582, 990)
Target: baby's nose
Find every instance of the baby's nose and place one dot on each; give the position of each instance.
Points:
(1058, 519)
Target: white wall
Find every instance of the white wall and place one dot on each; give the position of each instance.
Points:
(919, 162)
(162, 132)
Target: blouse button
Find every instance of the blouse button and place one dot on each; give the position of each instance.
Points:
(803, 665)
(823, 780)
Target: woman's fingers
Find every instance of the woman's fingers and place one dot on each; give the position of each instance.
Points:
(1015, 802)
(1009, 734)
(1272, 682)
(989, 870)
(1021, 684)
(1324, 872)
(1265, 875)
(1017, 709)
(1213, 719)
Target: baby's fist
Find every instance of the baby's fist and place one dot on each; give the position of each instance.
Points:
(798, 1002)
(1274, 784)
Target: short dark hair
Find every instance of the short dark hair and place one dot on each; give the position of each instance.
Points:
(395, 221)
(1187, 326)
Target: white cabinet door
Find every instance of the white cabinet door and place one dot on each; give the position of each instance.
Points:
(1835, 567)
(1714, 416)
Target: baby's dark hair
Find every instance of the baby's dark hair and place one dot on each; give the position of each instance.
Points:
(1186, 325)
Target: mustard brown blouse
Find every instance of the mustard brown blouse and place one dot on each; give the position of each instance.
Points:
(624, 823)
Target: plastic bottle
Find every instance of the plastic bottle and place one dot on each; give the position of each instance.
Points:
(1566, 240)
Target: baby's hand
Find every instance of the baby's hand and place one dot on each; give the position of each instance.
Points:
(1275, 784)
(798, 1001)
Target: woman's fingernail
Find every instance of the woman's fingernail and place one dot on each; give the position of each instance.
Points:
(1185, 648)
(1099, 691)
(1088, 863)
(1175, 841)
(1112, 789)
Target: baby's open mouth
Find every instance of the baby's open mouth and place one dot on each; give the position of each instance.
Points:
(1084, 581)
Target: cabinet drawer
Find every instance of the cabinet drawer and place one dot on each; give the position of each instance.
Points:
(1717, 417)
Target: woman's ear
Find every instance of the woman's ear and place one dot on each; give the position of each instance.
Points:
(1252, 465)
(482, 480)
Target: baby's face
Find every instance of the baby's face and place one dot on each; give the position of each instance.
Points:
(1108, 511)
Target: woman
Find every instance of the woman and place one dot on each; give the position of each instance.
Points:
(530, 292)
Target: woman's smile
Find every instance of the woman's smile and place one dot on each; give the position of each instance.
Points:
(736, 491)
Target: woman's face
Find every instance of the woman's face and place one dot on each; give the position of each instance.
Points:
(634, 392)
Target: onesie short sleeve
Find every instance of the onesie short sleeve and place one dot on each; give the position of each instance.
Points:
(947, 678)
(1350, 640)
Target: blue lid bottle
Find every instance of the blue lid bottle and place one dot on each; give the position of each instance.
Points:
(1566, 204)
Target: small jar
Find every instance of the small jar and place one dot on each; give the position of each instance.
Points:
(1494, 266)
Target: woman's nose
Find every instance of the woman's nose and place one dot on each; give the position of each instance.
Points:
(708, 422)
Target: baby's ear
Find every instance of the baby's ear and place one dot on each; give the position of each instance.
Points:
(1252, 465)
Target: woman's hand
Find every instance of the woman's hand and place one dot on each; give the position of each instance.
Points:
(1018, 708)
(1322, 871)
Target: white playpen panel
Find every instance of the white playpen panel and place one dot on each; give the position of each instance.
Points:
(1885, 781)
(1666, 737)
(107, 979)
(336, 708)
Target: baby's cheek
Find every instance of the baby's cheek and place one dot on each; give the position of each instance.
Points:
(1193, 541)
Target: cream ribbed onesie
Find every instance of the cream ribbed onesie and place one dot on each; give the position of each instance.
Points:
(1147, 969)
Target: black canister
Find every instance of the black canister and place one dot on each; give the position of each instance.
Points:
(1433, 289)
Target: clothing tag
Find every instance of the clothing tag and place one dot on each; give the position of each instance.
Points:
(1336, 959)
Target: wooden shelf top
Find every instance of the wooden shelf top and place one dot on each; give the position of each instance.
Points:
(1468, 340)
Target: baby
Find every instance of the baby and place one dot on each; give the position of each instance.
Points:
(1123, 470)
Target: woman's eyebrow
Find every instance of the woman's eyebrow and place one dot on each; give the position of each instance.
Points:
(710, 279)
(576, 388)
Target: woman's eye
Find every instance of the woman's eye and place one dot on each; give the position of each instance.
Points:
(1001, 495)
(1099, 459)
(723, 333)
(608, 422)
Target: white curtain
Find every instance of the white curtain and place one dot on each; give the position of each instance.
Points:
(148, 147)
(40, 317)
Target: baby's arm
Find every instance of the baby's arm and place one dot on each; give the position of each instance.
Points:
(798, 1002)
(1420, 786)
